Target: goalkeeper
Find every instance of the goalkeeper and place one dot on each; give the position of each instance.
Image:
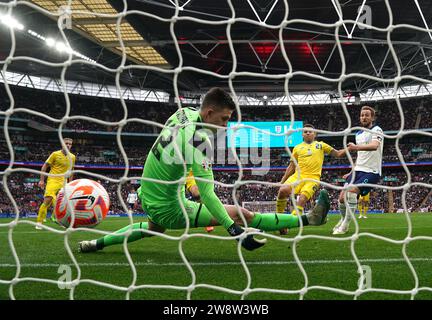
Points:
(162, 187)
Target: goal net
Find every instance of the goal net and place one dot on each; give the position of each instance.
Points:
(280, 64)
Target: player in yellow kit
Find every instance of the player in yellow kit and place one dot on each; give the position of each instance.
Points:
(58, 163)
(192, 188)
(309, 156)
(363, 205)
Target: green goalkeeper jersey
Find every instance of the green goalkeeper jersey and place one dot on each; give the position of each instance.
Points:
(182, 141)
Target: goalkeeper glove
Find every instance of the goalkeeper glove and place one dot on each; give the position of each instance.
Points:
(249, 243)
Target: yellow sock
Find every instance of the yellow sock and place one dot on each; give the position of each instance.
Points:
(365, 210)
(360, 209)
(300, 210)
(53, 203)
(42, 213)
(281, 205)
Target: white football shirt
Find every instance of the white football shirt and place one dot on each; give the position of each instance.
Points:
(132, 198)
(370, 161)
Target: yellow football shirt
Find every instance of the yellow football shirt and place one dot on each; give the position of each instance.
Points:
(190, 180)
(365, 198)
(59, 163)
(310, 158)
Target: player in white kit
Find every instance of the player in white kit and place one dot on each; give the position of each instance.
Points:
(367, 168)
(131, 200)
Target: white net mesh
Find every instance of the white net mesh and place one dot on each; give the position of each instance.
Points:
(392, 84)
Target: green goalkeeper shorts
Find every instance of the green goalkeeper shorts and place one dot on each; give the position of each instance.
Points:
(174, 217)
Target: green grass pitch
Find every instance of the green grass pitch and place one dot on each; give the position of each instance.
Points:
(216, 262)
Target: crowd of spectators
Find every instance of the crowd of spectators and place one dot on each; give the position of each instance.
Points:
(53, 104)
(333, 118)
(94, 154)
(28, 147)
(108, 153)
(251, 188)
(416, 112)
(379, 196)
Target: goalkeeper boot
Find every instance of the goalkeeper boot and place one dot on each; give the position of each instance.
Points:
(318, 215)
(87, 246)
(209, 229)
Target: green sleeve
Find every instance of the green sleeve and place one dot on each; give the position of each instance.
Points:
(201, 168)
(213, 204)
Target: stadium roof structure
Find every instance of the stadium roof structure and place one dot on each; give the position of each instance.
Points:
(103, 30)
(208, 47)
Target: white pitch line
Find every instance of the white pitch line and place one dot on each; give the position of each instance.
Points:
(175, 264)
(315, 228)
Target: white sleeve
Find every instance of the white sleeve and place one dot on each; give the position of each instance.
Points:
(376, 134)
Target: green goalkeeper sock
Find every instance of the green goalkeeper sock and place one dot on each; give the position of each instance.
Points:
(276, 221)
(112, 239)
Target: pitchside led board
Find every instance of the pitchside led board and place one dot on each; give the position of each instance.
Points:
(251, 138)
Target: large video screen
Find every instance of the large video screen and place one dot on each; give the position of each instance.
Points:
(252, 138)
